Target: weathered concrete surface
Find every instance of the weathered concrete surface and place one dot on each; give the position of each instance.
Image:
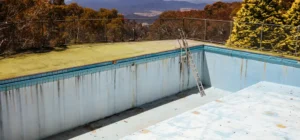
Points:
(37, 108)
(233, 73)
(263, 111)
(41, 110)
(131, 121)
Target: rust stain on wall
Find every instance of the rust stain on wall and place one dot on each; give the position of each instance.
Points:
(241, 70)
(58, 89)
(181, 74)
(134, 85)
(246, 69)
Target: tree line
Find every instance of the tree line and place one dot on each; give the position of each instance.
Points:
(46, 24)
(39, 24)
(215, 29)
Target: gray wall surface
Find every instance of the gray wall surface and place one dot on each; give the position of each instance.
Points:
(233, 71)
(44, 109)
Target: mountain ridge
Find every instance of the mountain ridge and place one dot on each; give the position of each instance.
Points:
(132, 6)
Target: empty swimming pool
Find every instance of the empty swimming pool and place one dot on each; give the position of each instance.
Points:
(40, 105)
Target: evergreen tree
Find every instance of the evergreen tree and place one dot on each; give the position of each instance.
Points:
(252, 21)
(243, 33)
(292, 17)
(293, 14)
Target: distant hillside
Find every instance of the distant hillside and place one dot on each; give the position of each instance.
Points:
(132, 6)
(142, 19)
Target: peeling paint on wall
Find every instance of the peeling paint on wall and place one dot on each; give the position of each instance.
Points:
(41, 110)
(224, 75)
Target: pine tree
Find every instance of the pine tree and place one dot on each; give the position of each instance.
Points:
(292, 18)
(251, 22)
(293, 14)
(243, 33)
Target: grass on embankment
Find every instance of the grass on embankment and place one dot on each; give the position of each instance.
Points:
(78, 55)
(85, 54)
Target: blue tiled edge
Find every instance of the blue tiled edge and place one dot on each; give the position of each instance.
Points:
(253, 56)
(93, 68)
(29, 80)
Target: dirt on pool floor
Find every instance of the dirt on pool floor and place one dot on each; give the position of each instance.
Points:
(262, 111)
(78, 55)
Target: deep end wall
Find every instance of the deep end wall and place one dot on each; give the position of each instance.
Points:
(233, 70)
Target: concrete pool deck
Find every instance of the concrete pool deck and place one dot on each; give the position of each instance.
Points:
(262, 111)
(80, 55)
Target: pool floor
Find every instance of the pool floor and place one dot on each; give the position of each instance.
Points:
(262, 111)
(128, 122)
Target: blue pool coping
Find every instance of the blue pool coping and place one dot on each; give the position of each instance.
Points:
(253, 56)
(35, 79)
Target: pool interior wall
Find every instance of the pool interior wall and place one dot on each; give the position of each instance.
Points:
(37, 106)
